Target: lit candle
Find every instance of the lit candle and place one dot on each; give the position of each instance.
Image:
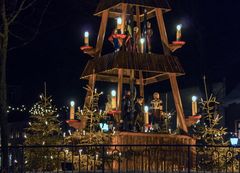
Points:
(114, 100)
(142, 43)
(86, 38)
(72, 110)
(119, 23)
(194, 105)
(146, 116)
(179, 32)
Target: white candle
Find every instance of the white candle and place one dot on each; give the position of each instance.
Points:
(114, 99)
(72, 110)
(86, 38)
(194, 105)
(119, 23)
(146, 115)
(142, 45)
(179, 32)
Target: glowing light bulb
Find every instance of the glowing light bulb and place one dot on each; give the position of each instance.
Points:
(72, 103)
(86, 34)
(113, 93)
(146, 108)
(194, 98)
(119, 20)
(179, 27)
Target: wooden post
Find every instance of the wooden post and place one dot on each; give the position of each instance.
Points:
(132, 87)
(141, 86)
(120, 86)
(99, 46)
(178, 103)
(138, 20)
(102, 32)
(120, 71)
(173, 79)
(162, 30)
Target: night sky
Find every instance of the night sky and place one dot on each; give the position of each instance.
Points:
(211, 29)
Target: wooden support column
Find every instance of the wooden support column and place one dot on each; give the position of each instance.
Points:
(173, 79)
(99, 45)
(162, 30)
(120, 71)
(138, 20)
(141, 84)
(120, 88)
(102, 31)
(178, 102)
(132, 86)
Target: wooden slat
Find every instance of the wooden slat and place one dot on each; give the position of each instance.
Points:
(114, 79)
(178, 102)
(102, 32)
(141, 86)
(162, 30)
(120, 71)
(155, 79)
(99, 46)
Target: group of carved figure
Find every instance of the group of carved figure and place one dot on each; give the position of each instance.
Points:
(130, 39)
(132, 114)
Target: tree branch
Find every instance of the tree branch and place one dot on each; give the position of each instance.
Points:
(37, 28)
(29, 5)
(16, 36)
(11, 20)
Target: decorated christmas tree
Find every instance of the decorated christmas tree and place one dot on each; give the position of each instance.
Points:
(91, 134)
(44, 129)
(209, 131)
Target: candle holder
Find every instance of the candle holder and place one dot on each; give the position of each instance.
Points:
(76, 124)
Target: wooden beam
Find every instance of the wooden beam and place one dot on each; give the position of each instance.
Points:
(114, 79)
(138, 19)
(150, 14)
(120, 71)
(141, 86)
(98, 51)
(102, 32)
(154, 79)
(120, 89)
(162, 30)
(124, 15)
(178, 103)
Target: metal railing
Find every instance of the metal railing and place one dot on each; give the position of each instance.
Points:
(124, 158)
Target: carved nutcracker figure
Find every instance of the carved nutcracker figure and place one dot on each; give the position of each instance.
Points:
(136, 39)
(128, 39)
(149, 35)
(156, 118)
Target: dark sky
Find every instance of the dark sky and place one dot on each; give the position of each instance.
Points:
(211, 29)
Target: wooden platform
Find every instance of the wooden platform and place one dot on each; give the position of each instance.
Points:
(168, 152)
(129, 138)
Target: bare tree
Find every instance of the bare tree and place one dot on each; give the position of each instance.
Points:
(10, 10)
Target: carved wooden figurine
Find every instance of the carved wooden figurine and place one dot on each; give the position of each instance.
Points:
(149, 35)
